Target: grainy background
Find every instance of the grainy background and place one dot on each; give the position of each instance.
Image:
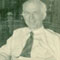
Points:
(8, 23)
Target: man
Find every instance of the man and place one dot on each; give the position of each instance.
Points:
(43, 45)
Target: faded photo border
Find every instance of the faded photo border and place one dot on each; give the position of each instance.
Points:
(11, 18)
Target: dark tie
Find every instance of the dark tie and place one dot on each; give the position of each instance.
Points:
(26, 52)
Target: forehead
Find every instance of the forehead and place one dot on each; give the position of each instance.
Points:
(30, 6)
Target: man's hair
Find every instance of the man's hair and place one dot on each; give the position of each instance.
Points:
(42, 5)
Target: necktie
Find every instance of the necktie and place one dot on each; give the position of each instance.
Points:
(26, 52)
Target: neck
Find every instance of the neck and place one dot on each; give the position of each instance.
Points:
(35, 28)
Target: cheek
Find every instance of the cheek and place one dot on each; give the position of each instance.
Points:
(26, 17)
(37, 16)
(27, 21)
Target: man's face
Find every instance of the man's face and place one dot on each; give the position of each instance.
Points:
(32, 15)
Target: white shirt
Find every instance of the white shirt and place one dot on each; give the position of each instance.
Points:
(46, 45)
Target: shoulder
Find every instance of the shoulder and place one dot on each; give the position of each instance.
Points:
(20, 30)
(52, 33)
(18, 35)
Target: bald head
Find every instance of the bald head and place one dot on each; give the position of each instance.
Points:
(36, 4)
(34, 12)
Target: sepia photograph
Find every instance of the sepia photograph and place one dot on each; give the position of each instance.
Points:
(29, 29)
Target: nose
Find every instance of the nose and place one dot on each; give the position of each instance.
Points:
(31, 16)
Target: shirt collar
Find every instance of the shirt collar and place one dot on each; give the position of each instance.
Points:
(36, 30)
